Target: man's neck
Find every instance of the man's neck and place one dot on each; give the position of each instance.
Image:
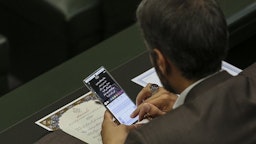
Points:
(180, 83)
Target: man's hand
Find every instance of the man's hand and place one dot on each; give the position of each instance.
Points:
(154, 105)
(113, 133)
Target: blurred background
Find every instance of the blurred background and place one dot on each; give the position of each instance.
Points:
(37, 35)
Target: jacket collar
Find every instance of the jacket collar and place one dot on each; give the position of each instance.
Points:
(207, 84)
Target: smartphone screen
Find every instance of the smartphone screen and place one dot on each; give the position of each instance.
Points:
(111, 95)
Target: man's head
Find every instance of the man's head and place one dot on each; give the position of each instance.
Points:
(190, 34)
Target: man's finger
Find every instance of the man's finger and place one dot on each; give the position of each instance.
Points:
(108, 115)
(147, 110)
(154, 111)
(143, 95)
(141, 111)
(108, 119)
(144, 110)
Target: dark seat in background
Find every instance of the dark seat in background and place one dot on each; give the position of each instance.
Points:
(7, 80)
(241, 19)
(44, 33)
(4, 64)
(117, 15)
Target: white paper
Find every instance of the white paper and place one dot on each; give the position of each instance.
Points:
(150, 76)
(51, 121)
(84, 121)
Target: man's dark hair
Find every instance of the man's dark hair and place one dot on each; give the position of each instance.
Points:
(191, 33)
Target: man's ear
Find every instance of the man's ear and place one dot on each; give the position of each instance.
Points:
(160, 60)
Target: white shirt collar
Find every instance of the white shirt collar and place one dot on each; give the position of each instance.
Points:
(182, 96)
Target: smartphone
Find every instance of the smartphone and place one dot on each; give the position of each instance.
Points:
(112, 96)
